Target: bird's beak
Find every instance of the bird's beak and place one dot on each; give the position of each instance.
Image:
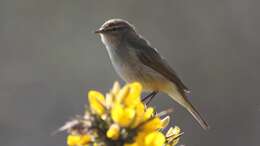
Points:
(99, 31)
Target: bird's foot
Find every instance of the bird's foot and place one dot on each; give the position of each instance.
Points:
(149, 97)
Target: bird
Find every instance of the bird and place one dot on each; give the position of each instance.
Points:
(135, 60)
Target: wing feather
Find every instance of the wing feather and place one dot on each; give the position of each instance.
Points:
(151, 58)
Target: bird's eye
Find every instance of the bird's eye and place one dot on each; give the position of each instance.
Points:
(116, 28)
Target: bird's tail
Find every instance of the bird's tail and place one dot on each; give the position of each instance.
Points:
(183, 100)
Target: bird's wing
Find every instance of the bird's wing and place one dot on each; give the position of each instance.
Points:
(151, 58)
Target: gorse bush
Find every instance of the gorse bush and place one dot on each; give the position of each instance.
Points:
(120, 118)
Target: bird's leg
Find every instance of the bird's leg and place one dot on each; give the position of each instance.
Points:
(149, 97)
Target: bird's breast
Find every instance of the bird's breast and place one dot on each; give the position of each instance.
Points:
(123, 62)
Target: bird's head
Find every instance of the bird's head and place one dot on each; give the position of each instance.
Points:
(115, 27)
(113, 31)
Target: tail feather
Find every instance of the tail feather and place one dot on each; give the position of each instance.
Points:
(196, 115)
(183, 100)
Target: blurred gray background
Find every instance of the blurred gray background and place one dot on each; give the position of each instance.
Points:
(50, 58)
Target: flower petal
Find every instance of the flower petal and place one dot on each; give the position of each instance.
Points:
(152, 125)
(134, 95)
(96, 101)
(113, 132)
(155, 139)
(78, 140)
(123, 116)
(149, 112)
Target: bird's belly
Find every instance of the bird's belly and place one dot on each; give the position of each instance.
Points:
(137, 72)
(131, 69)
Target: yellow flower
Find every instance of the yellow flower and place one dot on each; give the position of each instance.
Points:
(96, 101)
(172, 135)
(133, 97)
(111, 96)
(122, 94)
(113, 132)
(148, 113)
(115, 89)
(109, 100)
(78, 140)
(73, 140)
(152, 125)
(154, 139)
(148, 139)
(139, 140)
(139, 116)
(123, 116)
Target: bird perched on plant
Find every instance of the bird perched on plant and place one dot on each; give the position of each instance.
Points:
(135, 60)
